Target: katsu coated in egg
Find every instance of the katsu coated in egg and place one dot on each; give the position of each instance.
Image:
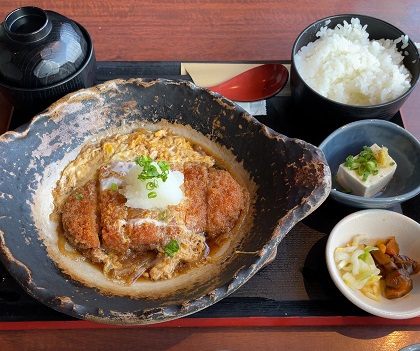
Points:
(132, 242)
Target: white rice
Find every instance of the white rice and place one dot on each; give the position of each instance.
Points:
(345, 66)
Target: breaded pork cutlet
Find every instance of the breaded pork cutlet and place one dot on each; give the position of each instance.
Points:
(212, 205)
(225, 201)
(80, 217)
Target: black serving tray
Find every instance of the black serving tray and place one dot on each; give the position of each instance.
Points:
(295, 284)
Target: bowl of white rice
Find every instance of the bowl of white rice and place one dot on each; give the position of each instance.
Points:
(352, 67)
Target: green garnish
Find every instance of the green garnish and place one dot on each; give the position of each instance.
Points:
(79, 196)
(164, 167)
(152, 185)
(366, 252)
(114, 187)
(150, 172)
(364, 163)
(164, 216)
(171, 248)
(152, 195)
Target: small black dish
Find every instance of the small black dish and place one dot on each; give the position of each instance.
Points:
(45, 55)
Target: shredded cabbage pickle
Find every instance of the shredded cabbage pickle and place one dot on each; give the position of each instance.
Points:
(357, 267)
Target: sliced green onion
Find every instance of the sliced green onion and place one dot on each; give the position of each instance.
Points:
(364, 163)
(171, 248)
(79, 196)
(164, 167)
(152, 185)
(114, 187)
(370, 165)
(164, 216)
(150, 171)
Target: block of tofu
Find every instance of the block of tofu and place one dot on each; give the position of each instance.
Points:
(351, 180)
